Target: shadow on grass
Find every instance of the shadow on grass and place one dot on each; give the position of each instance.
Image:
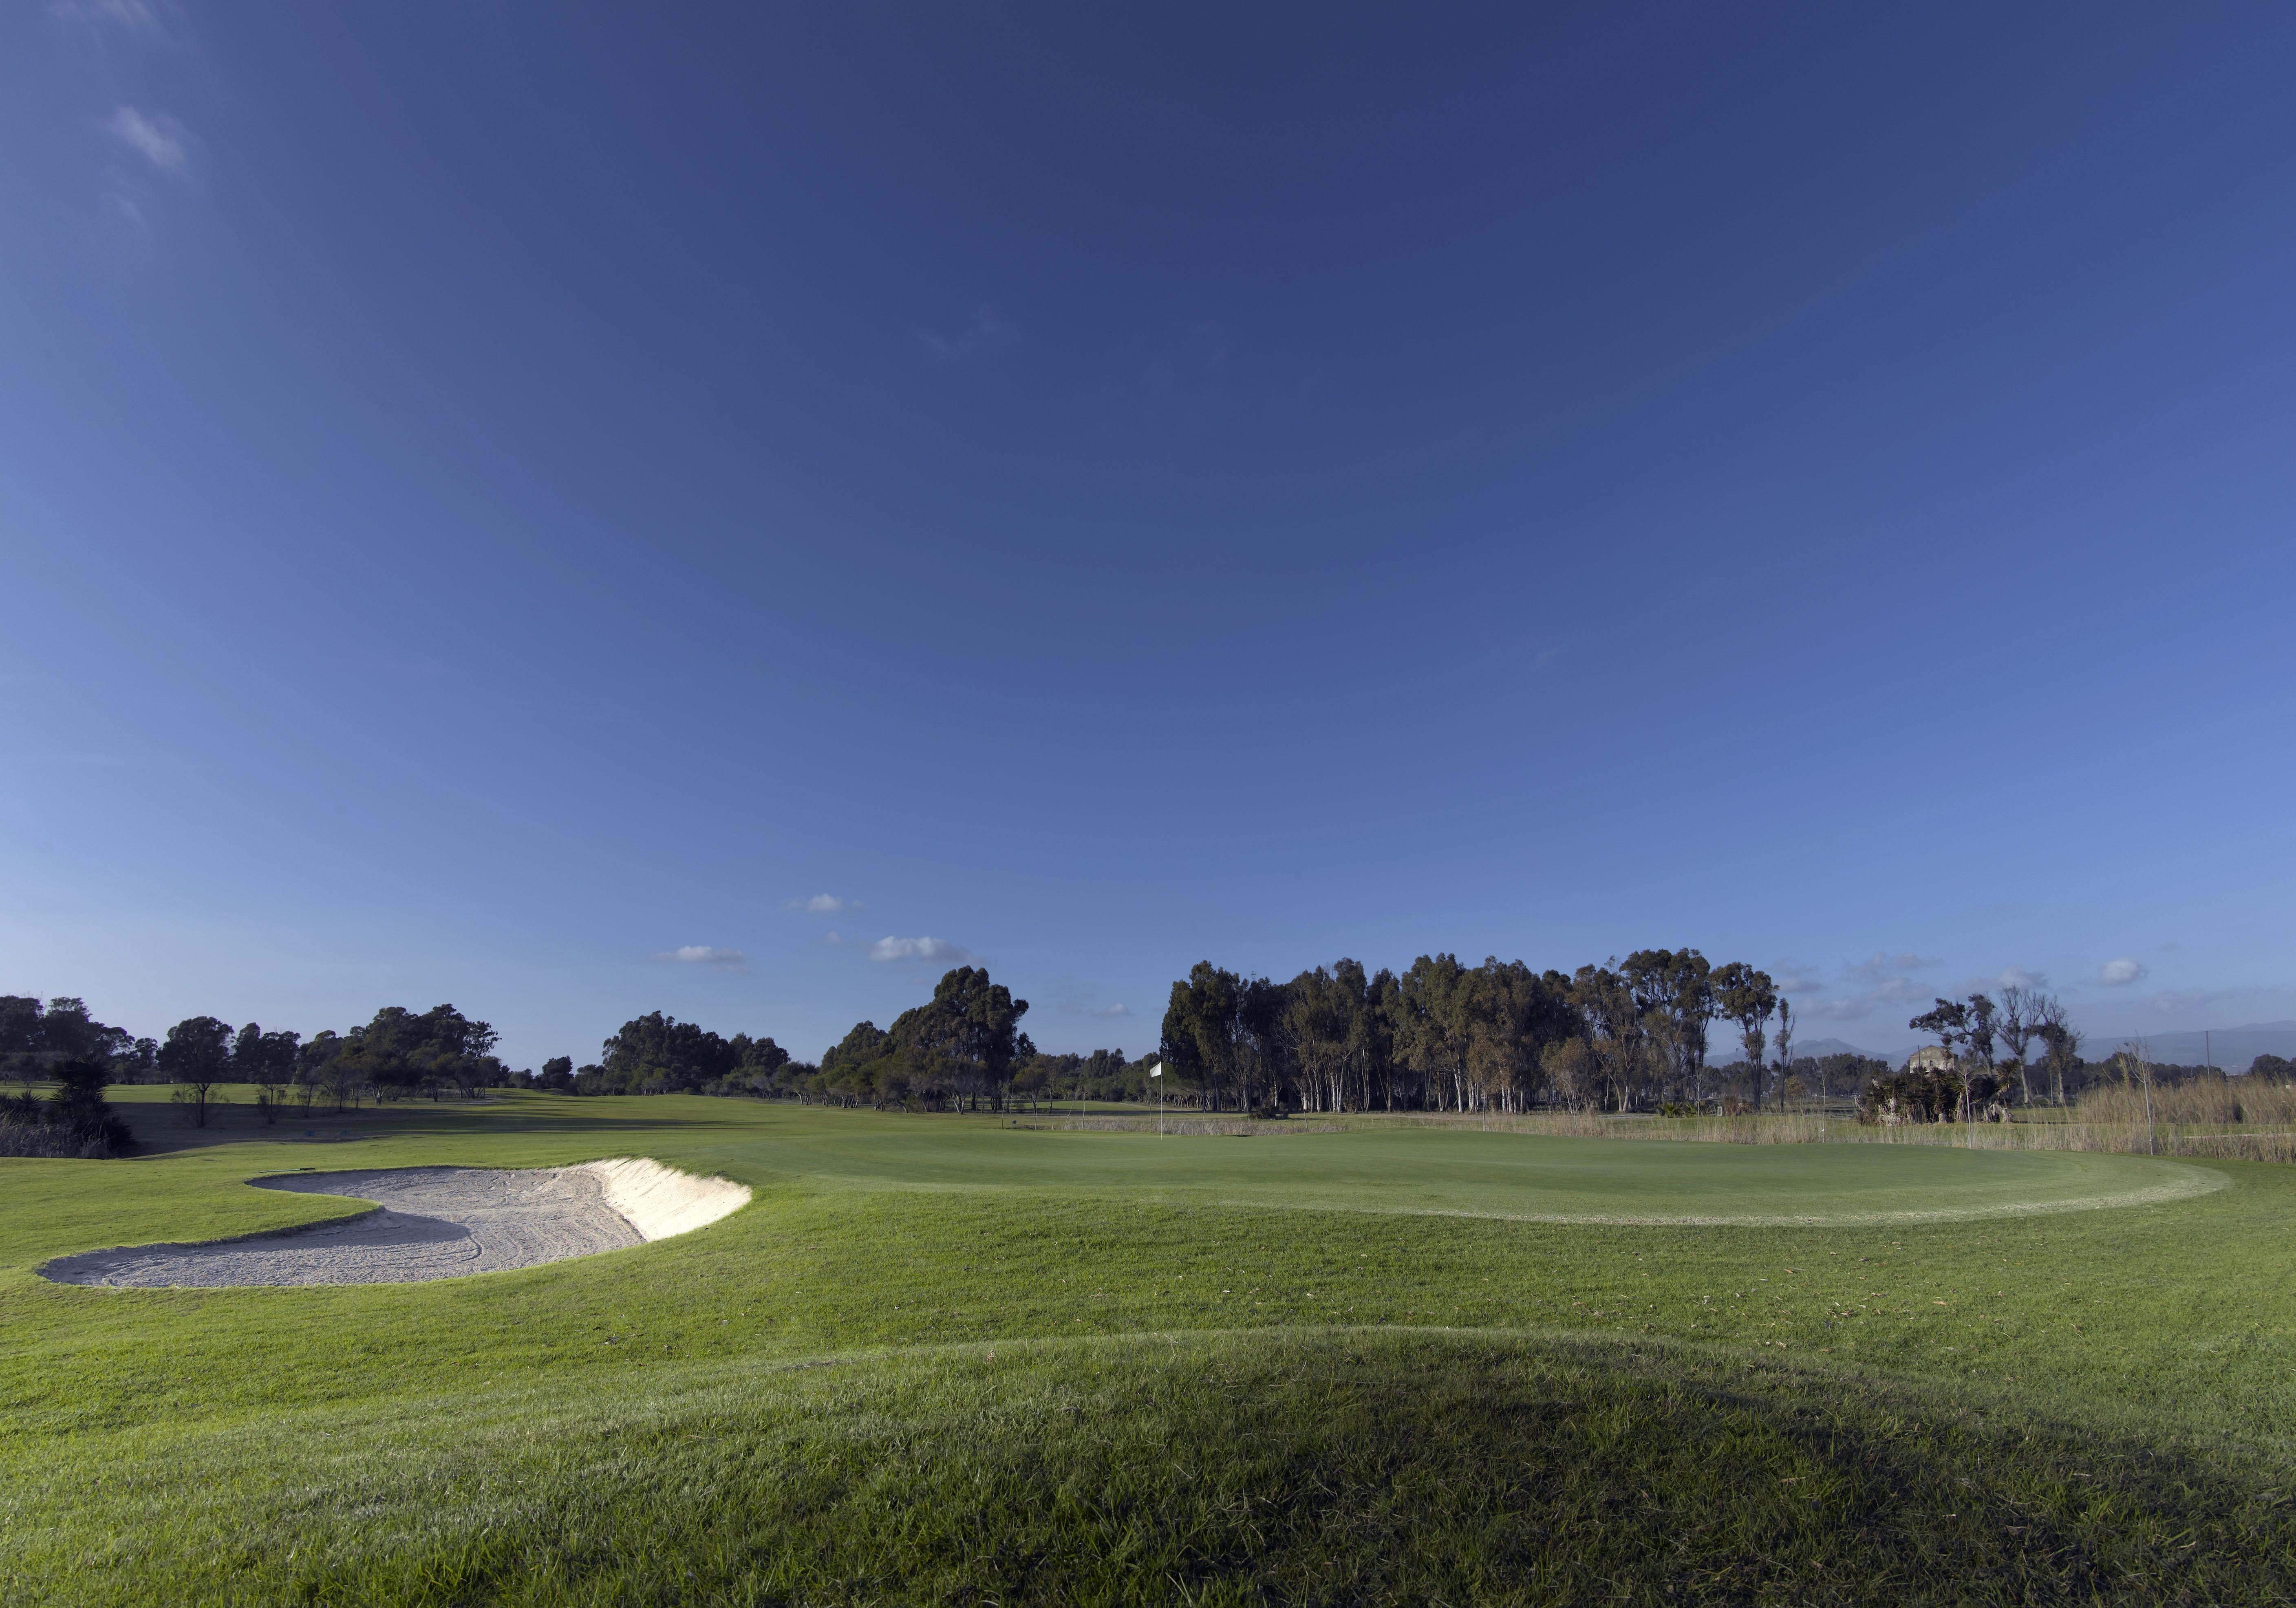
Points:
(1337, 1466)
(163, 1127)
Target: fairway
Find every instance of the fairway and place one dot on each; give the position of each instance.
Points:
(1304, 1367)
(1529, 1177)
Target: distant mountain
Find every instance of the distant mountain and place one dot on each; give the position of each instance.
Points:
(1722, 1052)
(2231, 1048)
(1818, 1049)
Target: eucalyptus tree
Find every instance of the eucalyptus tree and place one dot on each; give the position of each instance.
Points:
(1948, 1021)
(1319, 1018)
(2018, 1026)
(1572, 1070)
(1371, 1034)
(1431, 1013)
(1749, 998)
(967, 1036)
(1785, 1042)
(1265, 1042)
(2060, 1044)
(1674, 989)
(1617, 1035)
(1984, 1028)
(1203, 1029)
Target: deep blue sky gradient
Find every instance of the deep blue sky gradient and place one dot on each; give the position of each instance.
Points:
(489, 497)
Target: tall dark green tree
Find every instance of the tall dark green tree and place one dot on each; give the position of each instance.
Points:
(1433, 1018)
(1674, 990)
(267, 1061)
(196, 1057)
(1203, 1033)
(78, 1107)
(1749, 998)
(1617, 1034)
(401, 1052)
(656, 1053)
(20, 1025)
(965, 1038)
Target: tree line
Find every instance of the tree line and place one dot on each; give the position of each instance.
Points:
(1624, 1035)
(961, 1049)
(398, 1055)
(1628, 1035)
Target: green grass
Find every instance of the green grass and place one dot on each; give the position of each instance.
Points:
(947, 1359)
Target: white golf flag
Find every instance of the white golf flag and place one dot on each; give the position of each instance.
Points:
(1156, 1071)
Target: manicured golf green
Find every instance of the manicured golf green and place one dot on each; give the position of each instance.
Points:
(947, 1359)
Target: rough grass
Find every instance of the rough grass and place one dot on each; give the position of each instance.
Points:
(924, 1366)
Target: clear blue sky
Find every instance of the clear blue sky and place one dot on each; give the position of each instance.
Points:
(494, 496)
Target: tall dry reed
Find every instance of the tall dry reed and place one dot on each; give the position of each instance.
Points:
(2228, 1119)
(2209, 1101)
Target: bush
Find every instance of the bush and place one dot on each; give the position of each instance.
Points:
(1931, 1094)
(73, 1123)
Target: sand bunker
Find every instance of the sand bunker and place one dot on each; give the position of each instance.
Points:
(433, 1222)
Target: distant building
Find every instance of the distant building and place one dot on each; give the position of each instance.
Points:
(1930, 1058)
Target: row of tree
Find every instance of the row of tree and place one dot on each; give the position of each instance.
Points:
(1627, 1035)
(1441, 1036)
(398, 1055)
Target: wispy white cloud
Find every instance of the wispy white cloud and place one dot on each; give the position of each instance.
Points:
(138, 18)
(1846, 1009)
(1881, 967)
(1881, 982)
(985, 331)
(825, 903)
(2119, 973)
(2018, 977)
(126, 213)
(706, 954)
(832, 938)
(155, 136)
(922, 948)
(1795, 979)
(1119, 1009)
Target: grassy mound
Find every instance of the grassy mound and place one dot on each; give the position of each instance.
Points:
(1340, 1466)
(939, 1359)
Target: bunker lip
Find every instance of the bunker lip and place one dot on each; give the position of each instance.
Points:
(430, 1223)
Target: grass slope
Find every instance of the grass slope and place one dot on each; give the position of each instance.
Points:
(945, 1359)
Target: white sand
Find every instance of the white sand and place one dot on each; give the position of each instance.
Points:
(433, 1222)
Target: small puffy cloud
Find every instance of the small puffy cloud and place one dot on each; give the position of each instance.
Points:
(2017, 977)
(921, 948)
(705, 955)
(825, 904)
(1119, 1009)
(155, 136)
(832, 938)
(2119, 973)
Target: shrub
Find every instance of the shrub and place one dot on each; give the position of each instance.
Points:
(74, 1122)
